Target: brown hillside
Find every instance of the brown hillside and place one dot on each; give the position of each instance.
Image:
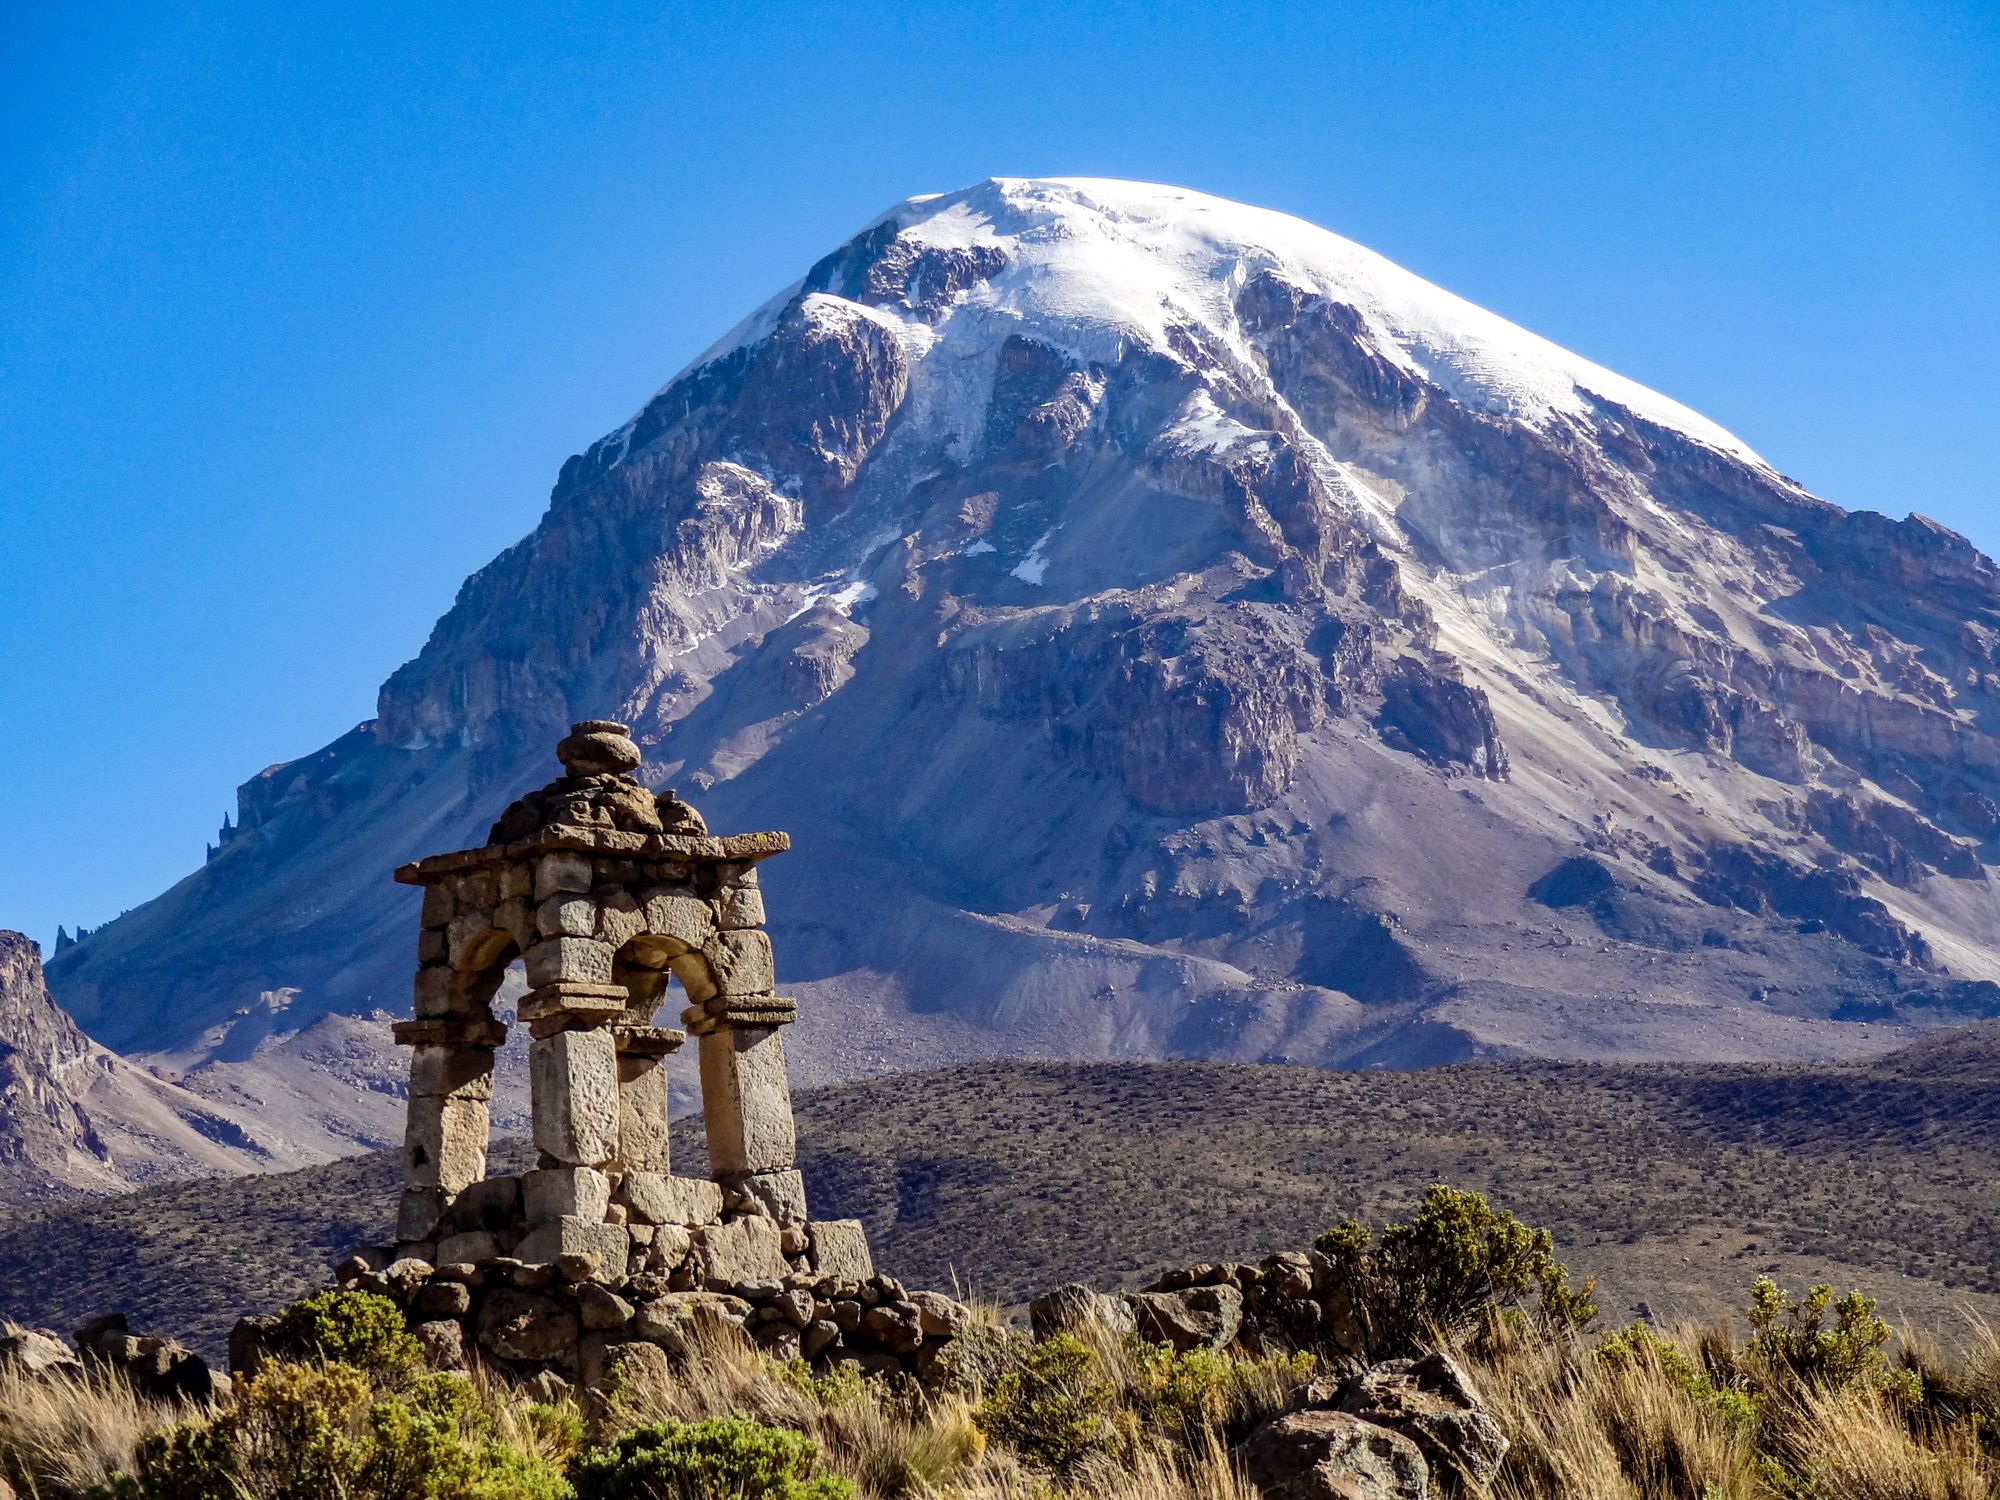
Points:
(1675, 1185)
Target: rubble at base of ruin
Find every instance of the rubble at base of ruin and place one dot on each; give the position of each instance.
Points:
(609, 894)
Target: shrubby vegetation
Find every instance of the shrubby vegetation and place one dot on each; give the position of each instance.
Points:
(1808, 1397)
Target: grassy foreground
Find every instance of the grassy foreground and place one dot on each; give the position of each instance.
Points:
(1813, 1398)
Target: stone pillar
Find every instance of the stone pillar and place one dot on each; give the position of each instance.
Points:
(445, 1131)
(643, 1144)
(746, 1106)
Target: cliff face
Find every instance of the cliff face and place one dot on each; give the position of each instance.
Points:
(1167, 628)
(46, 1067)
(74, 1117)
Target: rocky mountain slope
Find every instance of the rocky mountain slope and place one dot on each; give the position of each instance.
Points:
(1011, 1178)
(74, 1116)
(1169, 629)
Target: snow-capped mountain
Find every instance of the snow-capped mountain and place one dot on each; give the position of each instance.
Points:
(1168, 628)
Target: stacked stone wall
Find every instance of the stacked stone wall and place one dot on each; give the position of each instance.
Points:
(572, 1321)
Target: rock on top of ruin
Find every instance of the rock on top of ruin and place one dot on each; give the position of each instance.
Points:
(598, 807)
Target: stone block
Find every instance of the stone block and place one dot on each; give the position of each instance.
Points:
(474, 942)
(573, 1084)
(432, 948)
(840, 1249)
(781, 1195)
(678, 913)
(565, 1193)
(517, 880)
(476, 890)
(526, 1325)
(468, 1248)
(516, 917)
(451, 1072)
(739, 907)
(619, 918)
(444, 1142)
(573, 960)
(418, 1212)
(561, 872)
(643, 1139)
(671, 1243)
(656, 1198)
(435, 992)
(547, 1243)
(740, 963)
(490, 1203)
(567, 914)
(741, 1250)
(439, 906)
(569, 1004)
(746, 1101)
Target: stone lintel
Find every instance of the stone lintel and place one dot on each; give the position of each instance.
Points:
(733, 848)
(739, 1010)
(572, 1001)
(647, 1041)
(450, 1031)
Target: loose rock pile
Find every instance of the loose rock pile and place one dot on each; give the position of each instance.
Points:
(1399, 1430)
(158, 1369)
(1291, 1300)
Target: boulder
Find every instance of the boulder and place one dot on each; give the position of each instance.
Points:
(669, 1321)
(939, 1315)
(638, 1366)
(1331, 1455)
(1433, 1402)
(1202, 1317)
(444, 1299)
(444, 1343)
(249, 1343)
(1077, 1306)
(602, 1309)
(897, 1326)
(741, 1250)
(525, 1325)
(159, 1369)
(38, 1351)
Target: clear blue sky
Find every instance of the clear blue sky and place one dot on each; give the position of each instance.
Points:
(299, 313)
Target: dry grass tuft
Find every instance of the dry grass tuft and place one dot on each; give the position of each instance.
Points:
(62, 1436)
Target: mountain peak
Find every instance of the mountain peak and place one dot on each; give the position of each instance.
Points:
(1170, 628)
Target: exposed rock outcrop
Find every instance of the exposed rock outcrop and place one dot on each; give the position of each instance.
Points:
(76, 1117)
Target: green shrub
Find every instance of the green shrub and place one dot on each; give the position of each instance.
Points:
(307, 1431)
(1458, 1266)
(361, 1329)
(1793, 1339)
(1182, 1395)
(1054, 1408)
(723, 1458)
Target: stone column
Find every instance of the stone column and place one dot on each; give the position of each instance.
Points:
(573, 1086)
(445, 1130)
(643, 1144)
(746, 1106)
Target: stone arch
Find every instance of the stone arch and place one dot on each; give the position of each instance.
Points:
(608, 893)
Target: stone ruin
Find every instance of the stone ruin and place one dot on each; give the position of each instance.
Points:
(602, 1256)
(607, 893)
